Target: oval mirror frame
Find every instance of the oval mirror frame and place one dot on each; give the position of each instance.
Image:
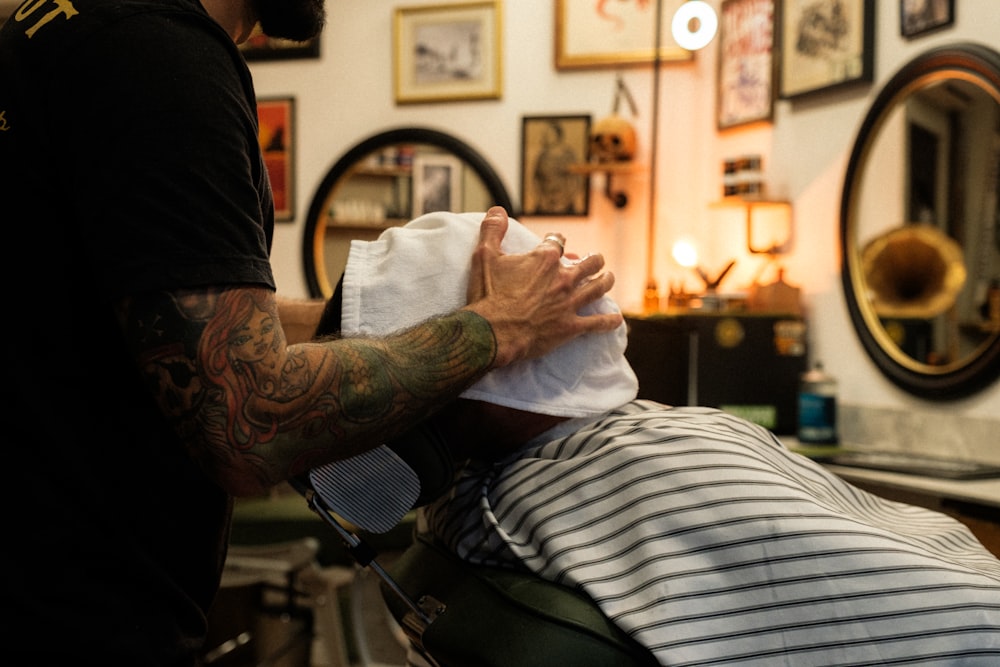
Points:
(315, 227)
(970, 62)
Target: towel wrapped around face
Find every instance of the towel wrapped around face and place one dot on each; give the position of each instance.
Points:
(421, 270)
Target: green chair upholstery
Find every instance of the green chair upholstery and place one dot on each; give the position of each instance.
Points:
(500, 618)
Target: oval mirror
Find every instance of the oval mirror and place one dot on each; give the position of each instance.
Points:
(920, 224)
(386, 180)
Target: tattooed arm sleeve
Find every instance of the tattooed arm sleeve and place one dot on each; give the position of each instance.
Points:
(255, 410)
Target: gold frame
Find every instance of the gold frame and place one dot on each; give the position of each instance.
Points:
(447, 21)
(587, 40)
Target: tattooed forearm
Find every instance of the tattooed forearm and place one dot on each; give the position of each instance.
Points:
(428, 365)
(256, 410)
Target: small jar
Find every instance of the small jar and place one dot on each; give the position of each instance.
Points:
(817, 419)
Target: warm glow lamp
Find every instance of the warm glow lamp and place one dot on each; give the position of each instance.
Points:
(685, 254)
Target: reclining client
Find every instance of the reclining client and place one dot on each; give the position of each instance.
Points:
(695, 531)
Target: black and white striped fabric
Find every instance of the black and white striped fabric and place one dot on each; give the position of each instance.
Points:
(712, 544)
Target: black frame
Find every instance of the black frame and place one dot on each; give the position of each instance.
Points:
(372, 144)
(955, 380)
(580, 197)
(728, 64)
(283, 153)
(912, 26)
(866, 64)
(260, 47)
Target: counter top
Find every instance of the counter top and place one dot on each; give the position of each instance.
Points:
(979, 491)
(984, 492)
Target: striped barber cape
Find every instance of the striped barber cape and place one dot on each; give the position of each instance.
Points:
(708, 541)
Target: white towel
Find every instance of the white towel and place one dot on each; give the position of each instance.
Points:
(420, 270)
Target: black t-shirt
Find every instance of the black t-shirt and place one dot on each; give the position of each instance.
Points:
(128, 162)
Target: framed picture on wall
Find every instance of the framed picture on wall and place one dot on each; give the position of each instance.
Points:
(746, 62)
(437, 183)
(276, 120)
(261, 47)
(612, 34)
(550, 146)
(825, 44)
(448, 52)
(919, 16)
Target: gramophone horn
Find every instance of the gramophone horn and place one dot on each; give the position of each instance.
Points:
(913, 272)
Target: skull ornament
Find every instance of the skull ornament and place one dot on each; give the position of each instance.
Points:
(612, 139)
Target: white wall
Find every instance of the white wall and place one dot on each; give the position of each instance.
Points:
(347, 95)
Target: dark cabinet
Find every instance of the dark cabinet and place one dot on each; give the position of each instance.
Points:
(746, 364)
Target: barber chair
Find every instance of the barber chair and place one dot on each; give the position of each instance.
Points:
(453, 613)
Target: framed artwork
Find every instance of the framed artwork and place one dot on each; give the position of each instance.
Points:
(276, 128)
(550, 146)
(919, 16)
(746, 63)
(261, 47)
(825, 44)
(448, 52)
(437, 183)
(612, 34)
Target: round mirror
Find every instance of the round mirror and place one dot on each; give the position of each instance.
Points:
(387, 180)
(920, 224)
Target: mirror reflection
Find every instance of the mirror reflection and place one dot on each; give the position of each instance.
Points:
(386, 181)
(922, 237)
(926, 196)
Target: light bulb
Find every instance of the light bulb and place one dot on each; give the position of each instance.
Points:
(694, 25)
(685, 253)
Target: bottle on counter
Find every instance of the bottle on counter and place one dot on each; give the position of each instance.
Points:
(817, 421)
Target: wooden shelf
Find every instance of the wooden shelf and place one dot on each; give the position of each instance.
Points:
(619, 199)
(400, 170)
(750, 202)
(605, 167)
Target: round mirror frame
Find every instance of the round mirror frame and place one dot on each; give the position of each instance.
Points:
(972, 62)
(315, 222)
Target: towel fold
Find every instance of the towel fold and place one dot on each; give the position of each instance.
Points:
(420, 270)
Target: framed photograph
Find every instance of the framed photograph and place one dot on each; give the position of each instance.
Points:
(448, 52)
(612, 34)
(276, 128)
(825, 44)
(746, 62)
(919, 16)
(437, 183)
(550, 146)
(261, 47)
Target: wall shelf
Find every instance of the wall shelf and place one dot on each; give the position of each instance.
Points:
(619, 198)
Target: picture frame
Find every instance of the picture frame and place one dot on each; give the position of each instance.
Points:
(550, 146)
(825, 45)
(260, 47)
(444, 53)
(276, 134)
(917, 17)
(746, 63)
(614, 34)
(437, 183)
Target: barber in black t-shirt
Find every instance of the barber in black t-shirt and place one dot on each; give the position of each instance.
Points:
(149, 378)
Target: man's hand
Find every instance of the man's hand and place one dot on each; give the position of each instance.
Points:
(532, 299)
